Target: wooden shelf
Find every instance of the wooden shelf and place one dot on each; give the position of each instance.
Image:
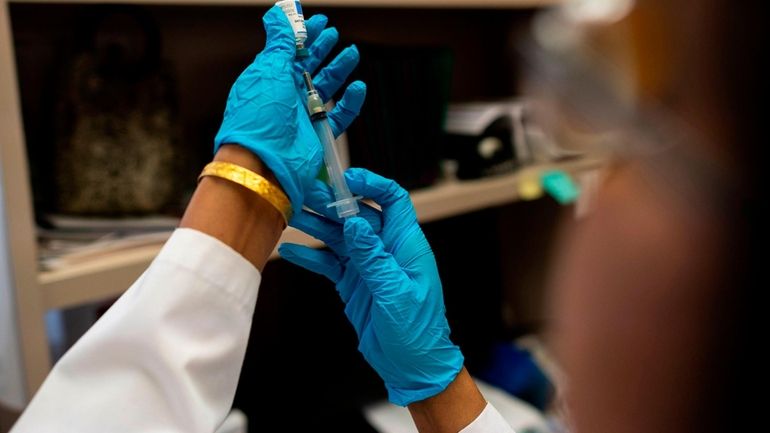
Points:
(110, 275)
(432, 4)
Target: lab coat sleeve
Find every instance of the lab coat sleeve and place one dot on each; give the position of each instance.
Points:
(165, 357)
(488, 421)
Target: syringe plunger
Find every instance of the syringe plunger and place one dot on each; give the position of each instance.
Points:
(308, 81)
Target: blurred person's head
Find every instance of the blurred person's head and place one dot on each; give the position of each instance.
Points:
(693, 63)
(656, 298)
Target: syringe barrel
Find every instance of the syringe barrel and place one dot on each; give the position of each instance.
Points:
(346, 204)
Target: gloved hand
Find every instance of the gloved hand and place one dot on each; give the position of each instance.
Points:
(389, 283)
(266, 111)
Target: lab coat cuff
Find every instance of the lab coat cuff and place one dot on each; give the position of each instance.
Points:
(215, 262)
(488, 421)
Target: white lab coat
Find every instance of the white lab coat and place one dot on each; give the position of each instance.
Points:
(167, 356)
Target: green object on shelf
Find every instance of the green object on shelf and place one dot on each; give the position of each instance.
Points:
(560, 186)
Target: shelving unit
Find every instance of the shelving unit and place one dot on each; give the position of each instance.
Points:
(36, 292)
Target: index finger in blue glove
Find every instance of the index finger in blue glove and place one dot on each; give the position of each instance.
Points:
(322, 229)
(381, 273)
(348, 107)
(395, 201)
(321, 48)
(280, 36)
(320, 262)
(315, 26)
(331, 78)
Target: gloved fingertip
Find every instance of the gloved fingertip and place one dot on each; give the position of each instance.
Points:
(354, 174)
(327, 38)
(351, 53)
(284, 250)
(273, 16)
(278, 29)
(319, 20)
(359, 231)
(358, 87)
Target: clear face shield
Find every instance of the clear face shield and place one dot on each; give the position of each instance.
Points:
(597, 85)
(582, 76)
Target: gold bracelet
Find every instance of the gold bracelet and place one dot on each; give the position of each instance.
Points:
(253, 181)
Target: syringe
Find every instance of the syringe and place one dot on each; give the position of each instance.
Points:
(346, 204)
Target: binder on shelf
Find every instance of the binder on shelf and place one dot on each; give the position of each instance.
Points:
(398, 133)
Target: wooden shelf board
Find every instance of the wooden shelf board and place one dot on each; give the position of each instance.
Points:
(110, 275)
(432, 4)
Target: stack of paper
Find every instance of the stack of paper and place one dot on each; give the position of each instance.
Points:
(71, 240)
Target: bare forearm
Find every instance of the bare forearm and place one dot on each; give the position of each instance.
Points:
(233, 214)
(451, 410)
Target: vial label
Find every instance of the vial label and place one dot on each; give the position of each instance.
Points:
(293, 11)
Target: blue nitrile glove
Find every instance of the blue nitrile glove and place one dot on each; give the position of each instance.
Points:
(389, 283)
(266, 111)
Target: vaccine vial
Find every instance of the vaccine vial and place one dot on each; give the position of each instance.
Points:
(293, 11)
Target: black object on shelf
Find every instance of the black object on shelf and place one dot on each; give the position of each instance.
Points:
(117, 135)
(488, 154)
(399, 131)
(486, 138)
